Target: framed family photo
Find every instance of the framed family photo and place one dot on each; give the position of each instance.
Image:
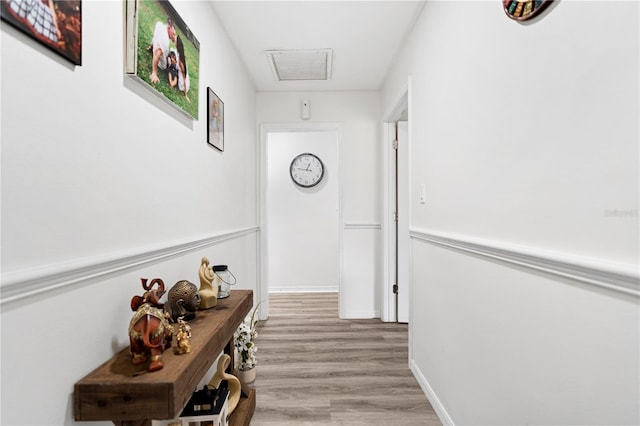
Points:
(215, 120)
(57, 24)
(162, 53)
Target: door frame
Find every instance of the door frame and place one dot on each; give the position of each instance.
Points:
(400, 104)
(263, 279)
(403, 195)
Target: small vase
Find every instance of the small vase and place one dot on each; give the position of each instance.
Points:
(247, 376)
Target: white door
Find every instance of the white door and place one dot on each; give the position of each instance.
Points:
(302, 222)
(402, 210)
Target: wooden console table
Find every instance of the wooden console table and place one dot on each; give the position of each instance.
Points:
(117, 390)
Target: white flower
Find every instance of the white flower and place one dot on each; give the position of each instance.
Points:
(243, 341)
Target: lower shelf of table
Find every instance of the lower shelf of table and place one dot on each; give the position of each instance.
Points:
(244, 410)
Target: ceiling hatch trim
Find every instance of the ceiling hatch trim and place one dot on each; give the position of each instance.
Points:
(301, 64)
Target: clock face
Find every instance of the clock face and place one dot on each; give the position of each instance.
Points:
(306, 170)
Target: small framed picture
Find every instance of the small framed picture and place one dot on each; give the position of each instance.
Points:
(215, 120)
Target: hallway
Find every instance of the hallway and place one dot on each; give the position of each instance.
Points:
(523, 209)
(315, 369)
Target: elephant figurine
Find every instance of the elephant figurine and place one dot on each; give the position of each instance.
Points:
(183, 301)
(150, 331)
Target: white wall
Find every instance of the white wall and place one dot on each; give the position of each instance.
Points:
(526, 137)
(358, 116)
(102, 184)
(302, 223)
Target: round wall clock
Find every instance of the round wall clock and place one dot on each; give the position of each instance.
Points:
(306, 170)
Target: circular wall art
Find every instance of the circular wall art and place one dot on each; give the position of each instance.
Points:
(521, 10)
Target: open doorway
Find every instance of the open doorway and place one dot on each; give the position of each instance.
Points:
(300, 224)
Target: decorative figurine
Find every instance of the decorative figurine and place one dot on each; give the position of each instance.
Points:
(182, 301)
(150, 331)
(183, 338)
(208, 292)
(235, 387)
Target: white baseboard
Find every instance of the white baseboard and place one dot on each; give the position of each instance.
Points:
(360, 314)
(441, 412)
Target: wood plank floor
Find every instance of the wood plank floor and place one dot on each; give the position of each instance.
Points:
(315, 369)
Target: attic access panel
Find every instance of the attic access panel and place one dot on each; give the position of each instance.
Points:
(296, 65)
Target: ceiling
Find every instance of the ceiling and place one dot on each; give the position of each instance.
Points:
(363, 35)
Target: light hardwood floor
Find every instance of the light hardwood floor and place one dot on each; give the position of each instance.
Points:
(315, 369)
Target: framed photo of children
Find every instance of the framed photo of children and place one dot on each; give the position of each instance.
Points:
(57, 24)
(163, 53)
(215, 120)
